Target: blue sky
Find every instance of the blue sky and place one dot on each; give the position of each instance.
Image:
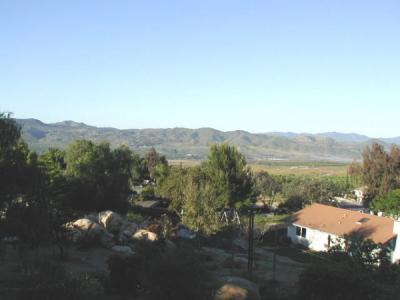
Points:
(303, 66)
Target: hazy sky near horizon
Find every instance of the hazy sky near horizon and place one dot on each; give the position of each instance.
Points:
(282, 65)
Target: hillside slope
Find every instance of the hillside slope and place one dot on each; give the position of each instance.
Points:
(183, 143)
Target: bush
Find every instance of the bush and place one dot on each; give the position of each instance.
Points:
(222, 239)
(86, 242)
(176, 275)
(135, 217)
(336, 282)
(124, 274)
(158, 273)
(30, 220)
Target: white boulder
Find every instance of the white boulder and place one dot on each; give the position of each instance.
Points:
(83, 224)
(144, 234)
(237, 288)
(110, 220)
(88, 227)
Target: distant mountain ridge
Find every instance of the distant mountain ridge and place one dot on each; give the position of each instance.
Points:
(184, 143)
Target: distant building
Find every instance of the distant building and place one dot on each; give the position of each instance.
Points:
(360, 193)
(320, 226)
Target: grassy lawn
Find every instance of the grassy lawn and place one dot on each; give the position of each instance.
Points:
(300, 255)
(264, 220)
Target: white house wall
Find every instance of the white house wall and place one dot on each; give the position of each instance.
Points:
(315, 239)
(396, 252)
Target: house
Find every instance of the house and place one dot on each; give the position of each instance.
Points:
(319, 226)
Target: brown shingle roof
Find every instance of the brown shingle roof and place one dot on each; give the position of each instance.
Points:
(341, 221)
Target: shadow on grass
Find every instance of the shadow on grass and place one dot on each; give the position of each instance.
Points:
(301, 255)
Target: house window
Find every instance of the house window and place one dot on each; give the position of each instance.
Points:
(301, 231)
(298, 230)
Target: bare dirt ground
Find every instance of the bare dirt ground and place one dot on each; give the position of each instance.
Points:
(14, 259)
(281, 270)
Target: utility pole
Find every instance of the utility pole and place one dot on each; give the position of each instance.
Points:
(250, 256)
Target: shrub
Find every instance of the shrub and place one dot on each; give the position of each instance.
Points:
(336, 282)
(124, 274)
(158, 273)
(135, 217)
(222, 239)
(176, 275)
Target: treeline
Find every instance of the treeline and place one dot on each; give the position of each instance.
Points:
(380, 173)
(295, 191)
(89, 177)
(86, 177)
(94, 177)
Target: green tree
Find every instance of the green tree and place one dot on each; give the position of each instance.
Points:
(266, 185)
(139, 171)
(228, 170)
(355, 171)
(381, 170)
(302, 190)
(19, 173)
(389, 204)
(201, 203)
(173, 187)
(362, 253)
(10, 132)
(98, 177)
(155, 163)
(54, 164)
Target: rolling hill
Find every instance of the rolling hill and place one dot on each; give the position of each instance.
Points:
(183, 143)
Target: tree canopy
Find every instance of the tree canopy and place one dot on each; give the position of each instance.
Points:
(389, 204)
(99, 176)
(18, 165)
(229, 172)
(381, 169)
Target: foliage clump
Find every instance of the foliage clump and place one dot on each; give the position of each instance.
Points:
(155, 272)
(354, 269)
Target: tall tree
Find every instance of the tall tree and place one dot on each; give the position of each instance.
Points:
(380, 169)
(19, 173)
(156, 163)
(173, 187)
(266, 185)
(10, 133)
(98, 176)
(201, 205)
(228, 170)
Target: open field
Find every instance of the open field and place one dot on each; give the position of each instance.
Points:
(287, 167)
(302, 168)
(184, 163)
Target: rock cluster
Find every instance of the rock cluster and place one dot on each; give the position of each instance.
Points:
(110, 230)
